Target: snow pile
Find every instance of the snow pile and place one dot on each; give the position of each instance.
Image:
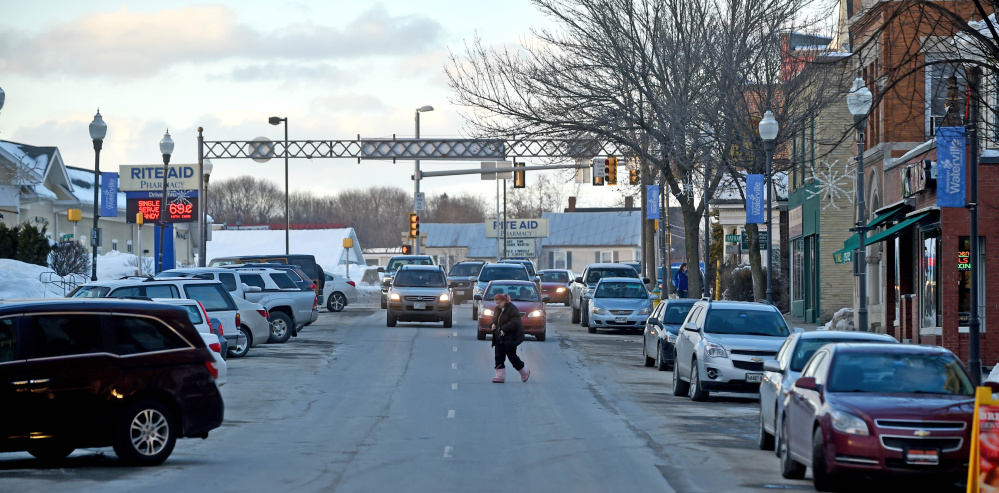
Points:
(22, 280)
(841, 320)
(325, 244)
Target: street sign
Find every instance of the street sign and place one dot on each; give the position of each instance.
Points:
(518, 228)
(67, 236)
(420, 201)
(149, 177)
(733, 238)
(762, 237)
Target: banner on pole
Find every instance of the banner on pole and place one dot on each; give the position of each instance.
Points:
(109, 194)
(754, 199)
(652, 202)
(951, 165)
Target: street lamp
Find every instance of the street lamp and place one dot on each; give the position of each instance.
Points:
(276, 120)
(858, 101)
(98, 129)
(206, 169)
(166, 148)
(2, 96)
(416, 173)
(768, 132)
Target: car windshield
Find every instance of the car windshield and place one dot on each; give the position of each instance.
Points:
(516, 292)
(595, 275)
(747, 322)
(465, 270)
(807, 347)
(676, 313)
(89, 292)
(503, 274)
(620, 290)
(934, 373)
(527, 265)
(395, 263)
(554, 276)
(419, 279)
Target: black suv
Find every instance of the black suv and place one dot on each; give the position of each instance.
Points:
(462, 277)
(76, 373)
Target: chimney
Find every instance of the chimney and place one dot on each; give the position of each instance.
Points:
(572, 204)
(629, 202)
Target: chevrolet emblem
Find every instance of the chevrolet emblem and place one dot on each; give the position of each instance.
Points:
(757, 360)
(921, 433)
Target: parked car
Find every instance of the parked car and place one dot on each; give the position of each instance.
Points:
(419, 293)
(496, 272)
(878, 410)
(97, 372)
(254, 319)
(523, 295)
(338, 293)
(587, 282)
(722, 346)
(557, 285)
(661, 331)
(199, 318)
(305, 263)
(618, 303)
(462, 277)
(394, 264)
(780, 373)
(290, 309)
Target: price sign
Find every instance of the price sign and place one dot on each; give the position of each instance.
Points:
(181, 210)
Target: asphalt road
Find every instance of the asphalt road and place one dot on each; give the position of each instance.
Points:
(351, 405)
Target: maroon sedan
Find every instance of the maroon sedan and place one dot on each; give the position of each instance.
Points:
(877, 410)
(555, 285)
(524, 295)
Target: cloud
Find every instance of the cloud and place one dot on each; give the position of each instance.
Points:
(129, 44)
(293, 71)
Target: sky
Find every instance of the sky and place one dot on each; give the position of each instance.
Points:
(335, 69)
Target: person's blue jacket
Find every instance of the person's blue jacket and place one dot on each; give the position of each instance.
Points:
(680, 280)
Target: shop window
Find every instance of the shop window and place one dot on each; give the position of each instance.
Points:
(114, 245)
(964, 305)
(938, 73)
(929, 279)
(605, 256)
(128, 246)
(559, 259)
(798, 269)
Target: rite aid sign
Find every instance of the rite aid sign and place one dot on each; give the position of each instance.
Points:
(518, 228)
(149, 178)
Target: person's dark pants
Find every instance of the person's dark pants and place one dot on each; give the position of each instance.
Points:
(504, 351)
(681, 293)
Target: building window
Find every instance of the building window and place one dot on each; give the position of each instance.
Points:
(798, 269)
(128, 245)
(605, 256)
(964, 279)
(937, 81)
(100, 250)
(560, 259)
(929, 279)
(114, 244)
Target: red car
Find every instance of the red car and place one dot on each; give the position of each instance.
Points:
(555, 285)
(524, 295)
(877, 410)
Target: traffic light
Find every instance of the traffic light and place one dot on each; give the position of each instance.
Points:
(633, 177)
(414, 225)
(519, 177)
(611, 170)
(599, 171)
(406, 249)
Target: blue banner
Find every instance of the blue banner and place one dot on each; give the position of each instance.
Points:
(754, 199)
(109, 194)
(950, 166)
(651, 201)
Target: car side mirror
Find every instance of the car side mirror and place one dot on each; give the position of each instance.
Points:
(588, 296)
(771, 365)
(477, 297)
(546, 299)
(798, 330)
(653, 296)
(536, 279)
(380, 269)
(690, 326)
(807, 383)
(645, 280)
(579, 280)
(655, 321)
(473, 279)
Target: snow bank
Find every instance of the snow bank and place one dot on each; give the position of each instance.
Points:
(841, 320)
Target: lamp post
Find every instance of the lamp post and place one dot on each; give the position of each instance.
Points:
(416, 173)
(276, 120)
(206, 169)
(858, 100)
(2, 96)
(166, 148)
(98, 129)
(768, 132)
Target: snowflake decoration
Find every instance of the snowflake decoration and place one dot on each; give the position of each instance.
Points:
(832, 183)
(180, 196)
(687, 188)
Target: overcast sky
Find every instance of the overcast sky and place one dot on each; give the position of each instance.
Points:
(336, 69)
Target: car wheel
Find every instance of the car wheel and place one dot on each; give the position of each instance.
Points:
(660, 361)
(389, 319)
(824, 480)
(680, 387)
(789, 468)
(145, 434)
(51, 450)
(575, 314)
(336, 302)
(384, 303)
(764, 440)
(281, 326)
(480, 335)
(697, 393)
(238, 351)
(584, 317)
(645, 355)
(541, 337)
(567, 303)
(448, 320)
(475, 312)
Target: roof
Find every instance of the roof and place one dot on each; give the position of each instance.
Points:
(325, 244)
(620, 279)
(881, 348)
(843, 334)
(460, 235)
(748, 305)
(35, 160)
(621, 228)
(82, 182)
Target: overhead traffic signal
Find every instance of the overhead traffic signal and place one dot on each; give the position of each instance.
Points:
(633, 177)
(406, 249)
(611, 170)
(519, 177)
(414, 225)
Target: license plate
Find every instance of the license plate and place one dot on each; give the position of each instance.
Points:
(754, 377)
(419, 305)
(461, 292)
(922, 456)
(621, 320)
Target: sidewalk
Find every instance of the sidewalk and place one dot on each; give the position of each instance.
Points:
(793, 322)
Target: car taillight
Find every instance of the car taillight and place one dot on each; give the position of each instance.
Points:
(220, 329)
(211, 328)
(263, 313)
(238, 321)
(315, 303)
(312, 287)
(352, 283)
(217, 347)
(212, 368)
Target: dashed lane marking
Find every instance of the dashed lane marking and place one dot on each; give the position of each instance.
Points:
(447, 451)
(450, 413)
(454, 386)
(454, 366)
(455, 349)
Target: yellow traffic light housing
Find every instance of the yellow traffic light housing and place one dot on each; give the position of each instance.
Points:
(611, 173)
(74, 215)
(414, 225)
(519, 177)
(633, 177)
(139, 219)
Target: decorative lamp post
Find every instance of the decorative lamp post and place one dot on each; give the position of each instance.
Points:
(276, 120)
(768, 132)
(166, 148)
(2, 96)
(98, 129)
(416, 173)
(858, 101)
(206, 168)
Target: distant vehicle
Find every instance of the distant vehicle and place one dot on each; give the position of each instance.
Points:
(394, 264)
(878, 410)
(618, 303)
(525, 297)
(338, 293)
(419, 293)
(82, 373)
(587, 282)
(661, 331)
(780, 373)
(529, 265)
(199, 318)
(306, 263)
(556, 284)
(462, 277)
(496, 272)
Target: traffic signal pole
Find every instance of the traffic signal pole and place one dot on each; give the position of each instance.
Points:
(416, 183)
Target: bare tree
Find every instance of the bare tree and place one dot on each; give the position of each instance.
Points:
(245, 199)
(462, 208)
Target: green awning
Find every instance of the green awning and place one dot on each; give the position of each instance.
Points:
(853, 242)
(895, 229)
(890, 213)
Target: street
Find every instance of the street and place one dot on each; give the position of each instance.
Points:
(351, 405)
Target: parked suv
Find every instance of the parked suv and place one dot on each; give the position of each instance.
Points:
(394, 264)
(586, 283)
(92, 373)
(462, 277)
(419, 293)
(307, 263)
(722, 346)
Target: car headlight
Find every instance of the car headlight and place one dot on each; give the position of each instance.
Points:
(444, 298)
(599, 311)
(670, 337)
(559, 290)
(643, 311)
(487, 312)
(394, 297)
(848, 423)
(534, 314)
(715, 350)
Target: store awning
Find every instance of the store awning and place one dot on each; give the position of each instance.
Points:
(886, 215)
(853, 242)
(892, 231)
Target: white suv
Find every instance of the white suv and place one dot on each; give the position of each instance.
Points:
(722, 346)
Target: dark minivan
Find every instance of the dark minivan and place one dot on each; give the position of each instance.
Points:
(76, 373)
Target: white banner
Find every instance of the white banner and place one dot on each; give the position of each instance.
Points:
(521, 247)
